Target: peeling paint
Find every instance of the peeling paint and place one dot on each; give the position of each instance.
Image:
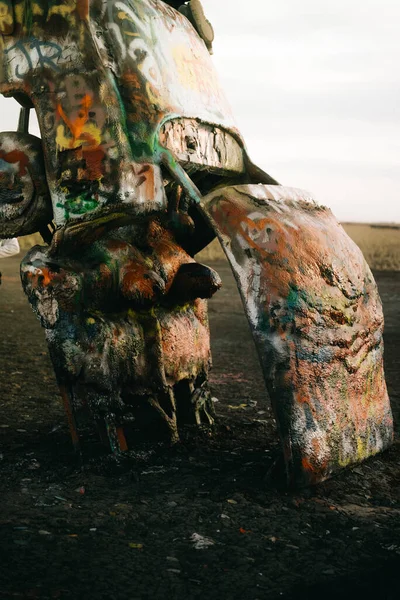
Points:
(318, 329)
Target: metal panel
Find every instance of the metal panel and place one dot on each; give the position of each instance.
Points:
(316, 317)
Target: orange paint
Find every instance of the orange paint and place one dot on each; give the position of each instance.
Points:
(93, 159)
(114, 245)
(316, 300)
(76, 126)
(82, 7)
(47, 276)
(307, 466)
(16, 156)
(135, 284)
(70, 417)
(40, 278)
(123, 446)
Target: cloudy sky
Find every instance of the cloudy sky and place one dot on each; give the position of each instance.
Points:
(315, 87)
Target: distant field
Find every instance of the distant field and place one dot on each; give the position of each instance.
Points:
(379, 243)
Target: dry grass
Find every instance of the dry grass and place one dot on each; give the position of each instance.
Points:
(212, 252)
(380, 245)
(27, 241)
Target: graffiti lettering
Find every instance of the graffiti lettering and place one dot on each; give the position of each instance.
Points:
(32, 54)
(126, 14)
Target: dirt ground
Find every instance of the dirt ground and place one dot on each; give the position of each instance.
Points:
(201, 520)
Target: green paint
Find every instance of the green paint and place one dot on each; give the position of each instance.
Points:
(28, 17)
(78, 205)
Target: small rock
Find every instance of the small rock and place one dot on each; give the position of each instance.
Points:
(34, 465)
(201, 542)
(358, 470)
(176, 571)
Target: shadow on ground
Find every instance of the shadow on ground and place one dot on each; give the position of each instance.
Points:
(200, 520)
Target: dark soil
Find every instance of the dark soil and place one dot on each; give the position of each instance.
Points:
(108, 530)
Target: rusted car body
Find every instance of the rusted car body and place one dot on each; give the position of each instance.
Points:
(139, 166)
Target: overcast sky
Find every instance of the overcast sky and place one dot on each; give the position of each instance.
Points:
(315, 87)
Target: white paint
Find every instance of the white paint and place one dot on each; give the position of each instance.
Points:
(27, 56)
(278, 193)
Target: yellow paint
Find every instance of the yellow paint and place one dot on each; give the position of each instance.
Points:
(194, 74)
(19, 12)
(62, 9)
(187, 71)
(37, 10)
(89, 137)
(362, 448)
(149, 263)
(90, 321)
(132, 314)
(124, 16)
(153, 98)
(84, 133)
(6, 17)
(343, 462)
(361, 451)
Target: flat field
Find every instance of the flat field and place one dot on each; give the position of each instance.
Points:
(380, 244)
